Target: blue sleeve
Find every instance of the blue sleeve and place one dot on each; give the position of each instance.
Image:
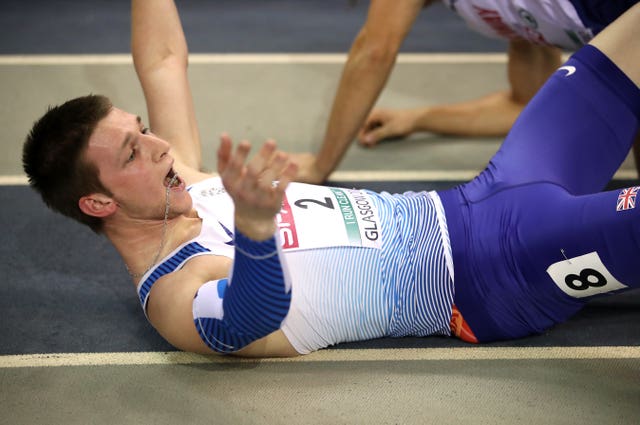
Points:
(231, 313)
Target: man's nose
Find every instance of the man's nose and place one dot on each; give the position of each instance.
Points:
(159, 148)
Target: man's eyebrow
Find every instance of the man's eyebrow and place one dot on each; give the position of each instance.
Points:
(129, 136)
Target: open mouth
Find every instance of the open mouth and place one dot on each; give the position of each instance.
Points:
(172, 180)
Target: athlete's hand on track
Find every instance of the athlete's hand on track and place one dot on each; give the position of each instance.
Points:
(249, 182)
(308, 171)
(386, 124)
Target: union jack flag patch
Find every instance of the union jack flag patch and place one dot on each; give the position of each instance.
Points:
(627, 198)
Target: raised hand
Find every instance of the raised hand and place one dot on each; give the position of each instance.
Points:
(256, 185)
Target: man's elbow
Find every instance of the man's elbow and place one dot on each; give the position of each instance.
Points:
(375, 50)
(166, 58)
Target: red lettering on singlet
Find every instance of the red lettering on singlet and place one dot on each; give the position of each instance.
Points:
(535, 36)
(494, 20)
(287, 226)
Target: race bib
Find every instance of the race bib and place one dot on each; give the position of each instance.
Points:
(320, 217)
(583, 276)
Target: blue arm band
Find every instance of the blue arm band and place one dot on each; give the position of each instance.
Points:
(254, 303)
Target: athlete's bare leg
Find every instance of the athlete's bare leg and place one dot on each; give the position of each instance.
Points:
(620, 41)
(636, 153)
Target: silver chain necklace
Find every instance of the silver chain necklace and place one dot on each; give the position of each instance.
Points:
(164, 232)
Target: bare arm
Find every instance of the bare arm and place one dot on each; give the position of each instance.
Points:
(160, 57)
(371, 59)
(171, 304)
(493, 115)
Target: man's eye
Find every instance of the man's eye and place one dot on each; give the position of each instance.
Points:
(132, 156)
(145, 130)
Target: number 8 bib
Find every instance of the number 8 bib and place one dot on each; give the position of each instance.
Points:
(583, 276)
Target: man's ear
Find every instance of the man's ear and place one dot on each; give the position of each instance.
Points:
(97, 205)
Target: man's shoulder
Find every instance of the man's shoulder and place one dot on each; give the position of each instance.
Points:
(172, 294)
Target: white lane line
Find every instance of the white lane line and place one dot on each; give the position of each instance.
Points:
(350, 176)
(395, 175)
(253, 58)
(434, 175)
(18, 180)
(346, 355)
(370, 176)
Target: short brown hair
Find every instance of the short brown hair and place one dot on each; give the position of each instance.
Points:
(52, 156)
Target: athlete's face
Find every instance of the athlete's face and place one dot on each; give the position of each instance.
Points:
(135, 166)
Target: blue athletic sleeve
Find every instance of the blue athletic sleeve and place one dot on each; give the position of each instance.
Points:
(231, 313)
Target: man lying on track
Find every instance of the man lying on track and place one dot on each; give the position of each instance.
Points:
(252, 264)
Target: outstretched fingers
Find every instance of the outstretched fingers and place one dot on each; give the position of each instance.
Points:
(268, 175)
(224, 152)
(288, 171)
(231, 163)
(260, 164)
(256, 185)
